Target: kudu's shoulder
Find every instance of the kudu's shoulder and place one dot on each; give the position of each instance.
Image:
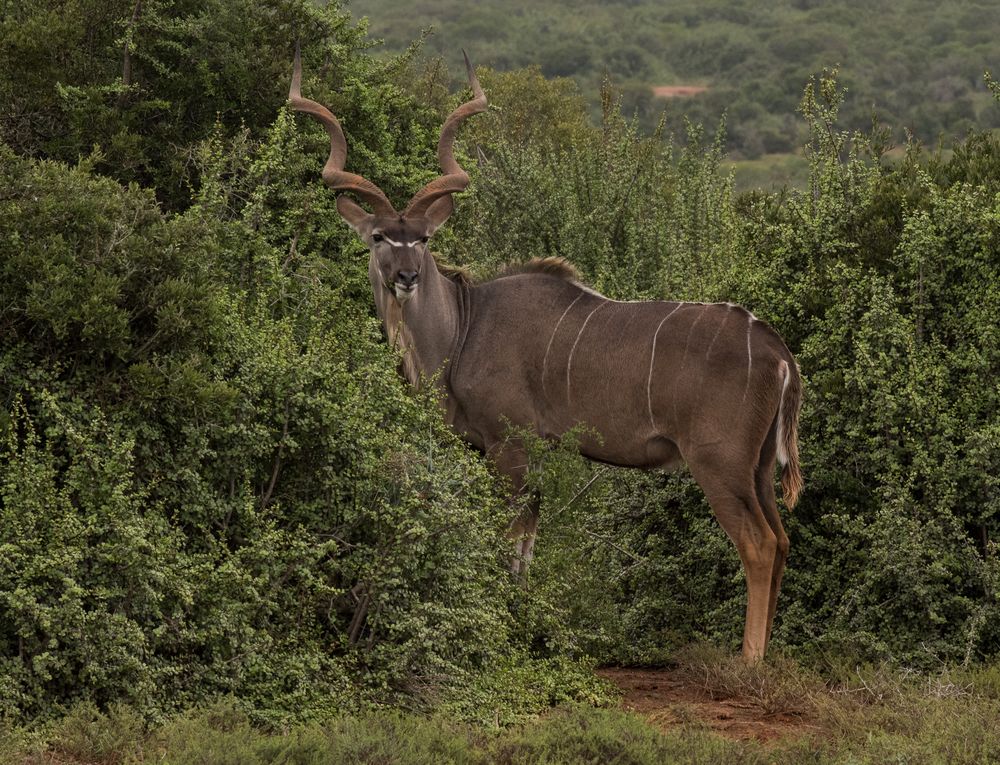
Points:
(527, 297)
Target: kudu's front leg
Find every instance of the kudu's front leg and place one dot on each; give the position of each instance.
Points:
(512, 460)
(523, 531)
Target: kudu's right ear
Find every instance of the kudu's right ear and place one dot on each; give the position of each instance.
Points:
(355, 216)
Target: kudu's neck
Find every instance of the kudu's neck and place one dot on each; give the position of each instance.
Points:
(424, 329)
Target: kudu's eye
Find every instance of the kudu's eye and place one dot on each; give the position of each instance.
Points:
(377, 237)
(424, 239)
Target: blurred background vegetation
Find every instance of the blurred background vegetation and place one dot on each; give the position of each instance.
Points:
(213, 483)
(918, 64)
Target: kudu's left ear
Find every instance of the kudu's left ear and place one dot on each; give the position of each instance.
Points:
(438, 213)
(355, 216)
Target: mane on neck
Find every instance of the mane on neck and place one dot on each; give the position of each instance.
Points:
(457, 274)
(552, 266)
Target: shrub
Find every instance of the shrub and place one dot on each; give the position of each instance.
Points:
(214, 482)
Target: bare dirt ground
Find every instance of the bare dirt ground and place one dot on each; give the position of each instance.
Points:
(665, 699)
(677, 91)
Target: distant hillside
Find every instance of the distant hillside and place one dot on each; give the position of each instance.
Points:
(918, 63)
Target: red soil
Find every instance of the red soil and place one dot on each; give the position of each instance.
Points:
(665, 700)
(678, 91)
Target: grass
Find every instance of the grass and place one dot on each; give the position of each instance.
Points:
(858, 715)
(870, 714)
(771, 172)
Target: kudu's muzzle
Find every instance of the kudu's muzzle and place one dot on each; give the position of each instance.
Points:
(407, 279)
(405, 284)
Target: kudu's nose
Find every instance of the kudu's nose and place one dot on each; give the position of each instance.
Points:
(407, 279)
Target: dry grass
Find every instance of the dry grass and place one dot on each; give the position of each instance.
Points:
(777, 685)
(863, 714)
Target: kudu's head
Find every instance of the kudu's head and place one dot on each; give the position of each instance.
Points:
(397, 240)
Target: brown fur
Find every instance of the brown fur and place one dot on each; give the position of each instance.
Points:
(552, 265)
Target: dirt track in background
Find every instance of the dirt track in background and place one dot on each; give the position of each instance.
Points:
(665, 699)
(678, 91)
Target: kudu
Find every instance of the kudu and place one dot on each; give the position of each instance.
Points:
(655, 383)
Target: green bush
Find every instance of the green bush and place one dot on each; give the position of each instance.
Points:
(213, 480)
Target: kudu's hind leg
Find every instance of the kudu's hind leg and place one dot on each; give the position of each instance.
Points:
(764, 484)
(731, 493)
(769, 505)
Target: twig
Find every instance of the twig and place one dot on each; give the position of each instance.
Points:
(597, 474)
(358, 622)
(619, 548)
(277, 462)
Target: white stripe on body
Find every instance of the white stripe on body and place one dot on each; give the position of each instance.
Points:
(684, 358)
(687, 344)
(718, 330)
(545, 361)
(652, 358)
(569, 362)
(746, 387)
(594, 292)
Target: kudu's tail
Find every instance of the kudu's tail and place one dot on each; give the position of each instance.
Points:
(788, 435)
